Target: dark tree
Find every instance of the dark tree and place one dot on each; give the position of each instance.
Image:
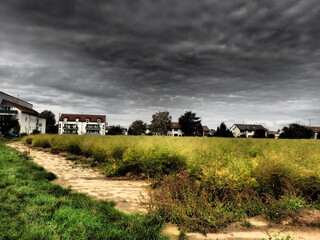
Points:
(260, 133)
(296, 131)
(318, 136)
(190, 124)
(8, 124)
(115, 130)
(137, 127)
(160, 124)
(271, 135)
(223, 131)
(50, 117)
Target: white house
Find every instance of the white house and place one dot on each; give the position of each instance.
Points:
(28, 118)
(82, 124)
(246, 130)
(175, 130)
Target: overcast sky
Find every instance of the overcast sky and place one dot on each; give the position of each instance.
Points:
(237, 61)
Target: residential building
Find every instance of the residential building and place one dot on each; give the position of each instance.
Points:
(29, 119)
(175, 130)
(246, 130)
(316, 131)
(82, 124)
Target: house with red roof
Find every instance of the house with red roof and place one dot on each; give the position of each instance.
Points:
(316, 131)
(82, 124)
(247, 130)
(29, 119)
(175, 130)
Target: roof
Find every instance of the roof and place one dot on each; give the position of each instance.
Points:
(82, 117)
(250, 127)
(272, 132)
(205, 129)
(175, 125)
(23, 109)
(314, 129)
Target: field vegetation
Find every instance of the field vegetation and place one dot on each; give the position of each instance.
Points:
(204, 183)
(33, 208)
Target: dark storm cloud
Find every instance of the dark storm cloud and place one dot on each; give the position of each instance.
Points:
(177, 55)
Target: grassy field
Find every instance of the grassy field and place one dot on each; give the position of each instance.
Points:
(33, 208)
(205, 183)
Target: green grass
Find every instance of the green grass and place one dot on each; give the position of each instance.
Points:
(33, 208)
(204, 183)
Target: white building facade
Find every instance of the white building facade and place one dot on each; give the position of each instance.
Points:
(82, 124)
(28, 118)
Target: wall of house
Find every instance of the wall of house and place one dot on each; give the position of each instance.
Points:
(82, 127)
(29, 123)
(175, 133)
(235, 131)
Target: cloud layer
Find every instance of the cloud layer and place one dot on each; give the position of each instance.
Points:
(233, 61)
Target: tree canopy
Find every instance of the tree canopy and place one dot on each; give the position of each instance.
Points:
(160, 124)
(190, 124)
(115, 130)
(9, 123)
(137, 127)
(223, 131)
(296, 131)
(50, 121)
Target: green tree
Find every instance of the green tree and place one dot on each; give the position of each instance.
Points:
(9, 123)
(260, 133)
(190, 124)
(137, 127)
(160, 124)
(115, 130)
(50, 117)
(223, 131)
(296, 131)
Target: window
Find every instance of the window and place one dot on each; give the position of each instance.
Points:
(99, 120)
(87, 120)
(65, 119)
(77, 119)
(26, 119)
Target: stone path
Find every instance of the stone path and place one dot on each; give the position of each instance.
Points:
(130, 196)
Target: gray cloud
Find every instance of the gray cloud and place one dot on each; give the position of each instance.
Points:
(226, 60)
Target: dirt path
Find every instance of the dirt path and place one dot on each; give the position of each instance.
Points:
(132, 196)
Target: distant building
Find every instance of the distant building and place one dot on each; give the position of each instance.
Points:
(29, 119)
(82, 124)
(175, 130)
(246, 130)
(316, 131)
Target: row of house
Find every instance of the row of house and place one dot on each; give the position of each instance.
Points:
(30, 121)
(28, 118)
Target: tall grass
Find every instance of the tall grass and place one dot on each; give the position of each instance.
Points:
(33, 208)
(223, 180)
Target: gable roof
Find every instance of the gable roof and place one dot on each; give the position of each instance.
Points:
(250, 127)
(23, 109)
(314, 129)
(175, 125)
(205, 129)
(82, 117)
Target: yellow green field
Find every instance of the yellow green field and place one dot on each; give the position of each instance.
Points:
(207, 182)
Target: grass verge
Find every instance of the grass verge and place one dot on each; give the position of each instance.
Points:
(33, 208)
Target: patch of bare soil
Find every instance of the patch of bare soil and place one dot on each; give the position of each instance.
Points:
(132, 196)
